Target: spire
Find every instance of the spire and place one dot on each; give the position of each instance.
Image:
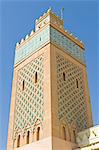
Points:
(62, 13)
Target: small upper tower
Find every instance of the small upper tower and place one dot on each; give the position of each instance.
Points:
(51, 18)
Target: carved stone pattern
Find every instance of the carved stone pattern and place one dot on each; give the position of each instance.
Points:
(71, 100)
(29, 102)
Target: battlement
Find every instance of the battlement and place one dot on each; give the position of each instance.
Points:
(23, 40)
(50, 18)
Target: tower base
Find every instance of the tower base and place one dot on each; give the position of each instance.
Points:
(49, 144)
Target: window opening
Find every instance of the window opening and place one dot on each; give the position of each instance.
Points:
(63, 76)
(28, 134)
(74, 133)
(23, 85)
(18, 141)
(64, 133)
(38, 133)
(36, 77)
(77, 83)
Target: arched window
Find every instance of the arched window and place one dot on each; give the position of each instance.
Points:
(18, 141)
(77, 83)
(64, 133)
(38, 133)
(36, 77)
(74, 134)
(28, 135)
(63, 76)
(40, 38)
(23, 85)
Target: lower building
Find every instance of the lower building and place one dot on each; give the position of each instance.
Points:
(88, 139)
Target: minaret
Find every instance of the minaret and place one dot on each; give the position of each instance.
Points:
(50, 98)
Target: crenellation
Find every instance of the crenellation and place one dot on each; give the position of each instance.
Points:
(71, 34)
(17, 44)
(52, 18)
(26, 37)
(81, 41)
(22, 40)
(74, 37)
(32, 32)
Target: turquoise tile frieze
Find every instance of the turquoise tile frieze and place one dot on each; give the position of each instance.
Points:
(69, 46)
(49, 34)
(31, 46)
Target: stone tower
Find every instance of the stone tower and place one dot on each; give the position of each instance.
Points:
(50, 98)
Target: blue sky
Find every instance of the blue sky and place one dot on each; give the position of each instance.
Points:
(17, 20)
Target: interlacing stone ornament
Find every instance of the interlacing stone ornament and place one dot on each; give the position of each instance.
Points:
(30, 101)
(71, 99)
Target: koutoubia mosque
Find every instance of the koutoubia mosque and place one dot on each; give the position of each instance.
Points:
(50, 105)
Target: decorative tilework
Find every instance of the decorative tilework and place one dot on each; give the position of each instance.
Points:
(32, 45)
(29, 102)
(69, 46)
(71, 99)
(49, 34)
